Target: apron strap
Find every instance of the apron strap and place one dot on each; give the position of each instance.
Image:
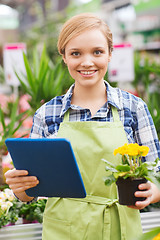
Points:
(108, 203)
(66, 116)
(122, 220)
(115, 114)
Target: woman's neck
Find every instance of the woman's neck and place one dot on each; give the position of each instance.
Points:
(92, 97)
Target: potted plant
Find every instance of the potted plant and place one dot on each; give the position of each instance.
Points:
(131, 172)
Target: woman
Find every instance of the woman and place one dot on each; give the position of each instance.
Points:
(96, 118)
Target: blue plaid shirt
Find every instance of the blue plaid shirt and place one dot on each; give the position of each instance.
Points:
(133, 113)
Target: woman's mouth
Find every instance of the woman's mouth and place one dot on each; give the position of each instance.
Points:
(88, 73)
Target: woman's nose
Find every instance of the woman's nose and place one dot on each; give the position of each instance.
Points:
(87, 62)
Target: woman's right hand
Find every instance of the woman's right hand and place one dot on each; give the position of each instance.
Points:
(19, 181)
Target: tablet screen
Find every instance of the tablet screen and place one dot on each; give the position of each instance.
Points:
(52, 161)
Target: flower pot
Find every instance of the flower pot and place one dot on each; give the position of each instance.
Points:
(127, 188)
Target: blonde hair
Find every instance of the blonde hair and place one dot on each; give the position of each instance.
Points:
(80, 23)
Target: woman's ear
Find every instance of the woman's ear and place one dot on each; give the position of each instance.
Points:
(64, 59)
(109, 57)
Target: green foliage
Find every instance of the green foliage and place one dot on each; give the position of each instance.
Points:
(151, 234)
(15, 122)
(4, 220)
(11, 216)
(131, 170)
(47, 27)
(44, 30)
(43, 79)
(2, 78)
(147, 84)
(13, 213)
(33, 211)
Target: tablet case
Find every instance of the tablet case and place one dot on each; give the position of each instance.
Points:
(52, 161)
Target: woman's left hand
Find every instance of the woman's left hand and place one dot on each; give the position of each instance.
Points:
(150, 192)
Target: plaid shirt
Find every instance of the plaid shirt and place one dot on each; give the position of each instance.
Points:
(133, 112)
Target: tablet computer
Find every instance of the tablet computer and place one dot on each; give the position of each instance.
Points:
(52, 161)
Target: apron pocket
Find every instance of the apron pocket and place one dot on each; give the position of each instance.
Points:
(55, 229)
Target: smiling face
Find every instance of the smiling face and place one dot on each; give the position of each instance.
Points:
(87, 57)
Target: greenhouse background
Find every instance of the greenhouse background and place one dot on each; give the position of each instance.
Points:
(28, 38)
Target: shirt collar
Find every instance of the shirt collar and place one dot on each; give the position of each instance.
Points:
(66, 100)
(113, 98)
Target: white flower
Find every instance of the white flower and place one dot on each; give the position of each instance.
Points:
(8, 192)
(9, 204)
(6, 205)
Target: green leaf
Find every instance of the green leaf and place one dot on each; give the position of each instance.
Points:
(110, 169)
(108, 163)
(30, 76)
(35, 63)
(109, 180)
(13, 117)
(123, 168)
(2, 120)
(150, 235)
(43, 63)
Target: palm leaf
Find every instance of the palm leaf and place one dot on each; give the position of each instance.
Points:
(35, 63)
(30, 76)
(2, 120)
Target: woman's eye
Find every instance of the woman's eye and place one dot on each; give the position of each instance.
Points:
(75, 54)
(97, 52)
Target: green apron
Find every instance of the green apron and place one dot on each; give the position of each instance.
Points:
(98, 216)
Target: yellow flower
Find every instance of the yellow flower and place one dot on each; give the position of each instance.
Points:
(121, 150)
(143, 150)
(157, 237)
(132, 149)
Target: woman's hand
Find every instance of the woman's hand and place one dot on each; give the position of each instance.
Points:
(150, 192)
(19, 181)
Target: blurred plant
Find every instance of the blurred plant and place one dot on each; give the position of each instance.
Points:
(44, 80)
(11, 209)
(2, 77)
(8, 129)
(154, 234)
(6, 202)
(6, 103)
(153, 96)
(47, 24)
(33, 211)
(147, 84)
